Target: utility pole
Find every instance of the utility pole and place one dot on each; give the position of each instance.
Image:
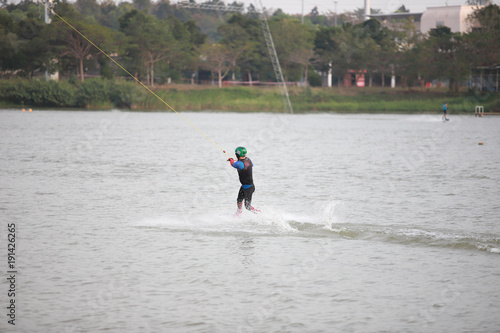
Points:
(366, 17)
(267, 36)
(335, 2)
(48, 4)
(302, 19)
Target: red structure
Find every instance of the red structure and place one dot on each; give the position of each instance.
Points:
(355, 78)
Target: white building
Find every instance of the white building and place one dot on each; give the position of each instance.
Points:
(453, 17)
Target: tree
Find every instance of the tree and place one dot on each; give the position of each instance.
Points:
(255, 57)
(163, 9)
(325, 46)
(409, 55)
(77, 42)
(8, 42)
(483, 39)
(301, 42)
(196, 39)
(446, 56)
(402, 9)
(488, 18)
(112, 13)
(353, 48)
(314, 12)
(218, 58)
(151, 41)
(34, 54)
(379, 52)
(303, 57)
(367, 46)
(478, 2)
(142, 5)
(184, 57)
(235, 37)
(23, 40)
(294, 43)
(88, 8)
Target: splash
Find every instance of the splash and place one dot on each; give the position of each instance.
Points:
(329, 222)
(271, 220)
(268, 222)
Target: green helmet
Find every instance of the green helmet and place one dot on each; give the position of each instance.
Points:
(240, 152)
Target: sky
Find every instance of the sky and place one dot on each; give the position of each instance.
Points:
(324, 6)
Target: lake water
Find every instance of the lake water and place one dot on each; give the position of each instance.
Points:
(369, 223)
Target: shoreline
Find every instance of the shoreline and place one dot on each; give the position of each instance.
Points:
(119, 95)
(90, 110)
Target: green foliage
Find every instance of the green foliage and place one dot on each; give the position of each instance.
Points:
(92, 92)
(106, 71)
(157, 39)
(23, 41)
(488, 17)
(294, 46)
(124, 94)
(446, 56)
(314, 79)
(155, 43)
(245, 32)
(106, 94)
(37, 93)
(483, 41)
(494, 106)
(96, 93)
(88, 8)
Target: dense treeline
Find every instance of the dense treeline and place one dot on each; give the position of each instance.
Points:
(159, 42)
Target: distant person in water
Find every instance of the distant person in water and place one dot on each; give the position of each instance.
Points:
(244, 166)
(445, 110)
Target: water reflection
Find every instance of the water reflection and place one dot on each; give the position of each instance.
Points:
(246, 251)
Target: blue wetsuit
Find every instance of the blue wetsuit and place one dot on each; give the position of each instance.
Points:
(247, 188)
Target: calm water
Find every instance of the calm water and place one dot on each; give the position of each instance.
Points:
(370, 223)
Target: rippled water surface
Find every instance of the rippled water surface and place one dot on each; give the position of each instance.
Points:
(369, 223)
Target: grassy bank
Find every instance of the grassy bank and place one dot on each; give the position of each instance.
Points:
(102, 94)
